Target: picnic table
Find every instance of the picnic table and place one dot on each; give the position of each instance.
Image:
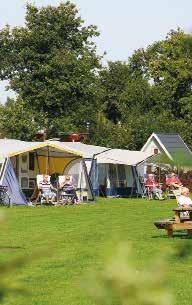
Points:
(179, 222)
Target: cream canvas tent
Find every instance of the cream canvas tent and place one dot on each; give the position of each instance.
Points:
(22, 161)
(96, 169)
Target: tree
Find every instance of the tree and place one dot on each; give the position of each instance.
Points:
(152, 91)
(51, 62)
(106, 133)
(113, 80)
(17, 121)
(167, 64)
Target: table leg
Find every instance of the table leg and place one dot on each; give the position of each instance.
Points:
(170, 233)
(177, 216)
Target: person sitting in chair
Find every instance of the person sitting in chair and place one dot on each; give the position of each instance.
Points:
(184, 200)
(154, 186)
(174, 184)
(174, 181)
(68, 188)
(47, 190)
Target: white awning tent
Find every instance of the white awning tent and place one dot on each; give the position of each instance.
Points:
(114, 170)
(120, 156)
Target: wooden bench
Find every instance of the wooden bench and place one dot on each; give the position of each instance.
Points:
(179, 222)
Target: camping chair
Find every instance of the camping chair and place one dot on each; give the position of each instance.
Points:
(169, 188)
(171, 192)
(148, 190)
(147, 193)
(41, 197)
(66, 193)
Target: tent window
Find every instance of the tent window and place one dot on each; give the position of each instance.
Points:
(121, 175)
(31, 161)
(73, 169)
(112, 174)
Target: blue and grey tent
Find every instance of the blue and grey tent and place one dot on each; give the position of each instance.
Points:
(8, 178)
(113, 172)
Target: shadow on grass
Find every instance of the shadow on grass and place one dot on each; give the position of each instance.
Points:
(175, 235)
(10, 248)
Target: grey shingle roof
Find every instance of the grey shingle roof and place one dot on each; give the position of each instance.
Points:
(174, 144)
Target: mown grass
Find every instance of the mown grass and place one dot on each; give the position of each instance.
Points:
(67, 243)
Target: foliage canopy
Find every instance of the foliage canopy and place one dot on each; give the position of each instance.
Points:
(52, 65)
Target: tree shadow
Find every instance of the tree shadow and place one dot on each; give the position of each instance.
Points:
(180, 235)
(10, 248)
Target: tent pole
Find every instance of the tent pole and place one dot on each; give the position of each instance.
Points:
(47, 162)
(137, 181)
(134, 181)
(88, 180)
(80, 182)
(37, 161)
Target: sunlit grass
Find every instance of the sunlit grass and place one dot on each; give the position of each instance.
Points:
(75, 240)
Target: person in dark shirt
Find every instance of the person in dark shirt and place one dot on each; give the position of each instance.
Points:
(67, 187)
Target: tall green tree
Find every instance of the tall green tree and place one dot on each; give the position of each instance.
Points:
(51, 62)
(18, 121)
(152, 91)
(113, 80)
(167, 64)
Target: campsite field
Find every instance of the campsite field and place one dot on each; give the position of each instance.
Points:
(67, 243)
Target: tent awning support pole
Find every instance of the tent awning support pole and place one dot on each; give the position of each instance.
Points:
(37, 161)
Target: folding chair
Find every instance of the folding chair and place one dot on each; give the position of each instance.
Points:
(147, 193)
(152, 189)
(66, 193)
(170, 191)
(41, 198)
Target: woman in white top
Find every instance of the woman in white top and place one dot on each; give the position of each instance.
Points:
(184, 200)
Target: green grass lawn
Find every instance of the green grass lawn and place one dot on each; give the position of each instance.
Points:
(75, 240)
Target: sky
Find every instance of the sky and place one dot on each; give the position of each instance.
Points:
(124, 25)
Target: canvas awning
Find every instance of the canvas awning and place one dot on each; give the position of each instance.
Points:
(10, 148)
(120, 156)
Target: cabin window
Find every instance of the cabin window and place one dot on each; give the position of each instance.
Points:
(24, 164)
(156, 151)
(24, 182)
